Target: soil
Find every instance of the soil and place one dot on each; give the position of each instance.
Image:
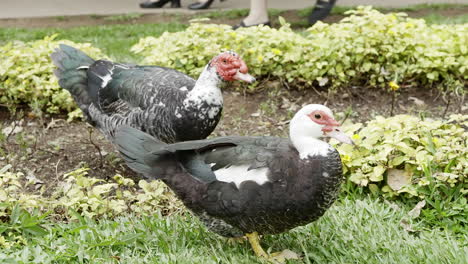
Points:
(291, 16)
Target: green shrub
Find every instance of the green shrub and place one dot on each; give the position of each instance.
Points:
(424, 151)
(26, 75)
(411, 159)
(88, 196)
(367, 48)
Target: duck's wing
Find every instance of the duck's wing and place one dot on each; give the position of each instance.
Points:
(115, 87)
(206, 160)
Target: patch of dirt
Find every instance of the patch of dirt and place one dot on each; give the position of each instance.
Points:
(49, 147)
(291, 16)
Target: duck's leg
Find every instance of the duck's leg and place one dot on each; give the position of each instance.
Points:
(255, 243)
(278, 257)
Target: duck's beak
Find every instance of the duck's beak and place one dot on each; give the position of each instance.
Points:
(339, 135)
(244, 77)
(242, 73)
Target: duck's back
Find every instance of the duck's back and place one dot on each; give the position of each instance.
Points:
(143, 97)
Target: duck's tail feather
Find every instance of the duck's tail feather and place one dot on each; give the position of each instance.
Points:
(144, 154)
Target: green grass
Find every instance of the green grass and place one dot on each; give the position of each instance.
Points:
(124, 17)
(352, 231)
(337, 10)
(418, 7)
(341, 10)
(235, 13)
(439, 19)
(230, 14)
(114, 40)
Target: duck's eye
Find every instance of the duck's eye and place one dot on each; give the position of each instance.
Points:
(318, 116)
(224, 61)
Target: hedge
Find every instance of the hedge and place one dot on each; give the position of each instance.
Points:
(367, 48)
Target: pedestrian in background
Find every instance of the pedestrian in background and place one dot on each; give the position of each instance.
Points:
(258, 13)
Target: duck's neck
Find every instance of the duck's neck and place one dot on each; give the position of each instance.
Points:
(309, 147)
(305, 136)
(206, 90)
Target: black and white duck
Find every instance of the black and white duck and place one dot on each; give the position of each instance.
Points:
(163, 102)
(246, 186)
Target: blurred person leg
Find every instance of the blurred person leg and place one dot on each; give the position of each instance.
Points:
(160, 4)
(321, 10)
(258, 15)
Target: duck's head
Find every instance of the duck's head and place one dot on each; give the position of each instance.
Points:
(315, 121)
(229, 67)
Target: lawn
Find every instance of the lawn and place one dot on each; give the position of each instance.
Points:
(360, 230)
(361, 227)
(115, 40)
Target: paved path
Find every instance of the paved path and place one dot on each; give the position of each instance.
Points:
(41, 8)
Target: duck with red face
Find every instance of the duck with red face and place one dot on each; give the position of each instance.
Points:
(163, 102)
(231, 67)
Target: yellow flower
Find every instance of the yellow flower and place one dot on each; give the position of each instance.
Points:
(393, 86)
(355, 137)
(276, 51)
(409, 25)
(391, 32)
(250, 50)
(346, 158)
(260, 58)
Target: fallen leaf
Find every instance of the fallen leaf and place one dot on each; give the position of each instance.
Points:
(103, 153)
(284, 255)
(34, 180)
(282, 123)
(406, 225)
(286, 103)
(383, 71)
(257, 114)
(394, 206)
(323, 81)
(5, 168)
(402, 107)
(417, 101)
(416, 211)
(54, 123)
(396, 179)
(11, 130)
